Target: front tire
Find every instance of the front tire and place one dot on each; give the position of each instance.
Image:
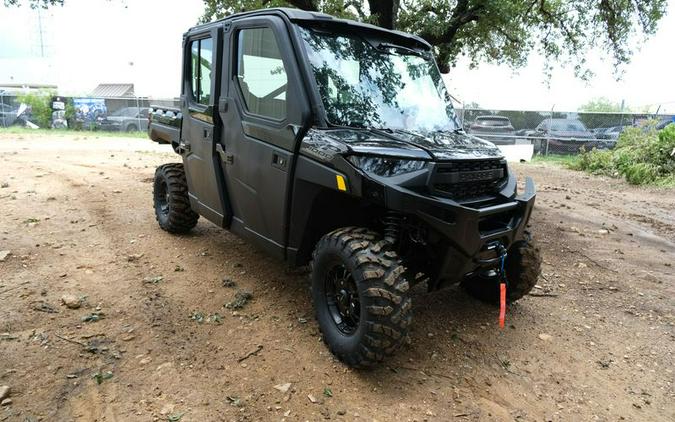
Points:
(522, 266)
(360, 296)
(171, 200)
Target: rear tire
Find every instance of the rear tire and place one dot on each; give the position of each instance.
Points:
(523, 266)
(171, 200)
(360, 296)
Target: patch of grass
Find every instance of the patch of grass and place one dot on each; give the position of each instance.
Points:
(17, 130)
(175, 417)
(102, 376)
(234, 401)
(643, 156)
(215, 318)
(563, 160)
(153, 280)
(198, 316)
(240, 299)
(201, 318)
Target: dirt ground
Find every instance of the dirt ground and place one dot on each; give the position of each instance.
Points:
(152, 339)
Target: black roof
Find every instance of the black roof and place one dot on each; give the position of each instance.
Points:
(303, 16)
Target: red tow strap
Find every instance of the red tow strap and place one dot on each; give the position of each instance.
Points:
(502, 304)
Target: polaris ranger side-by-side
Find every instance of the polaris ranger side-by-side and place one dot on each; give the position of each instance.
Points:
(334, 143)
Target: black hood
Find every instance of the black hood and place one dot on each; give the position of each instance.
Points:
(437, 145)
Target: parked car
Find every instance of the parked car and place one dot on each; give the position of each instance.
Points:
(611, 133)
(609, 136)
(564, 136)
(496, 129)
(665, 122)
(599, 131)
(126, 119)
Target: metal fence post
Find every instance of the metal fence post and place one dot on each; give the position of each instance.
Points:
(138, 115)
(2, 102)
(550, 127)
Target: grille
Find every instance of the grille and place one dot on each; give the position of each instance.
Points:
(470, 179)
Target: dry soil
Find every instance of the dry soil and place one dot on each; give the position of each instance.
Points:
(152, 339)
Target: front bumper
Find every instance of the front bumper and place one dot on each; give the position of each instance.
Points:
(467, 229)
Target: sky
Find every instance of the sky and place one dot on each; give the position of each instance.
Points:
(87, 42)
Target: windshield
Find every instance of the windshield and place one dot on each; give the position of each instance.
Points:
(125, 112)
(568, 125)
(388, 86)
(492, 121)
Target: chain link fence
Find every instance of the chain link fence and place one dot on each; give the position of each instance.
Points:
(110, 114)
(549, 132)
(555, 132)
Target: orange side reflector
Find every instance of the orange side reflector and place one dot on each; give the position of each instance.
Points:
(341, 184)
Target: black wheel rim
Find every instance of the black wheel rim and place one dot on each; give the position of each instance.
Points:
(163, 198)
(342, 298)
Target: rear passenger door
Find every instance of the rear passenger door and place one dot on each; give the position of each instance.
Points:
(266, 104)
(199, 131)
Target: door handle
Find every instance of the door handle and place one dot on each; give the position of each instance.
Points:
(280, 161)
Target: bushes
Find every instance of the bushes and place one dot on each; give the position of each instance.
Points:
(641, 155)
(41, 107)
(596, 162)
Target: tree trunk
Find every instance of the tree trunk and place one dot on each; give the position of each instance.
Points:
(385, 11)
(305, 5)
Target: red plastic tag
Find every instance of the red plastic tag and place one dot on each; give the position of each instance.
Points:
(502, 304)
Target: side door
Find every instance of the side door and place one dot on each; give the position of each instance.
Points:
(199, 130)
(262, 114)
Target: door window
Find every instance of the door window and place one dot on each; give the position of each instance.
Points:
(261, 73)
(201, 59)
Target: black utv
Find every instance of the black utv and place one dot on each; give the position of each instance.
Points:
(335, 144)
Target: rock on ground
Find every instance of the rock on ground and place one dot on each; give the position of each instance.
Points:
(71, 301)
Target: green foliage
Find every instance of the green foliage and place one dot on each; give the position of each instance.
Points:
(594, 161)
(602, 105)
(501, 31)
(562, 160)
(642, 156)
(70, 111)
(21, 131)
(102, 376)
(34, 4)
(41, 107)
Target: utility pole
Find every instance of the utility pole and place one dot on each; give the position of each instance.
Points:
(42, 43)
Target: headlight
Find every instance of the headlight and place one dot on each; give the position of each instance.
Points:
(386, 167)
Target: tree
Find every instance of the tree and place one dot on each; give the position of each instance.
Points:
(494, 31)
(41, 107)
(34, 4)
(602, 105)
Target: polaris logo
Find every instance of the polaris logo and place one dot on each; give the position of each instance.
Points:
(477, 176)
(469, 176)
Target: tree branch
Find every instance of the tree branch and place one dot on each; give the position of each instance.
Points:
(309, 5)
(384, 11)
